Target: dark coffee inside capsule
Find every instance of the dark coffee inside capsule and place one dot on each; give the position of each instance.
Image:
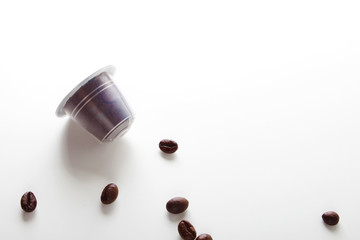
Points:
(99, 107)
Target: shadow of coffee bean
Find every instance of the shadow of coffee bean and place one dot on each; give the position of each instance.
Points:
(176, 217)
(108, 209)
(27, 216)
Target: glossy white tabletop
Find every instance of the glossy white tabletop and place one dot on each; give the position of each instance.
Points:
(263, 98)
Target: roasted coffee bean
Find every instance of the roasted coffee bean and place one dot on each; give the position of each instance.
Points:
(109, 194)
(168, 146)
(28, 202)
(204, 236)
(177, 205)
(331, 218)
(186, 230)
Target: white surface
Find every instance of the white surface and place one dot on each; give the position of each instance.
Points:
(262, 97)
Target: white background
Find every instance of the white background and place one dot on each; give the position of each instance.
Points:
(262, 97)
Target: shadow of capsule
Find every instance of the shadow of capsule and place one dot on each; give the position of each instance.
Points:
(84, 156)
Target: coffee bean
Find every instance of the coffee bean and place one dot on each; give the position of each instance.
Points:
(331, 218)
(168, 146)
(109, 194)
(186, 230)
(177, 205)
(204, 236)
(28, 202)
